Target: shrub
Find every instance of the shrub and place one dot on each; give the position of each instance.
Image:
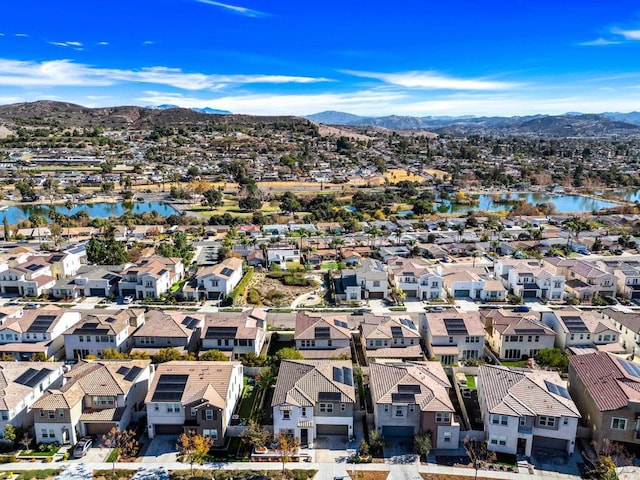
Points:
(253, 297)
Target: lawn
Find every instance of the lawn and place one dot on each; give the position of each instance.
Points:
(330, 265)
(370, 475)
(45, 474)
(111, 475)
(442, 476)
(176, 287)
(33, 453)
(519, 364)
(471, 382)
(249, 394)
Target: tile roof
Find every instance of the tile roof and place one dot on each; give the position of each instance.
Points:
(13, 393)
(375, 326)
(159, 323)
(306, 322)
(523, 392)
(631, 320)
(437, 327)
(219, 270)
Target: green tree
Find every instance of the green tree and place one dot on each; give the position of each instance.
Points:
(180, 247)
(7, 231)
(287, 447)
(250, 203)
(289, 203)
(212, 198)
(194, 448)
(552, 357)
(125, 441)
(213, 355)
(254, 435)
(168, 354)
(422, 444)
(9, 433)
(106, 251)
(288, 353)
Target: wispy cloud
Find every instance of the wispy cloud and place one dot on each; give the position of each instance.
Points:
(76, 45)
(68, 73)
(599, 42)
(148, 42)
(22, 34)
(246, 12)
(433, 80)
(626, 34)
(103, 43)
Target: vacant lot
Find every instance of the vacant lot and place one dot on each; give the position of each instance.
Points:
(272, 292)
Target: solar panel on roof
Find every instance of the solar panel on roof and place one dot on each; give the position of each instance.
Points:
(575, 324)
(557, 389)
(338, 375)
(408, 323)
(170, 388)
(529, 331)
(123, 370)
(632, 369)
(33, 267)
(133, 374)
(340, 323)
(329, 396)
(455, 326)
(409, 389)
(33, 377)
(190, 322)
(322, 332)
(221, 332)
(226, 272)
(396, 332)
(347, 376)
(403, 398)
(41, 323)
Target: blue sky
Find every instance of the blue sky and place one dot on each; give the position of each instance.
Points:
(404, 57)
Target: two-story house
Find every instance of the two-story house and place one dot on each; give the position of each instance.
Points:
(314, 398)
(168, 329)
(94, 397)
(452, 336)
(99, 330)
(628, 277)
(90, 281)
(607, 392)
(32, 277)
(321, 335)
(584, 279)
(195, 397)
(217, 281)
(280, 255)
(577, 328)
(525, 409)
(416, 277)
(236, 334)
(514, 337)
(22, 385)
(370, 280)
(411, 398)
(151, 277)
(469, 284)
(386, 337)
(37, 332)
(627, 324)
(528, 280)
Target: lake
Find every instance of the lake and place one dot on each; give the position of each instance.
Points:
(563, 203)
(16, 213)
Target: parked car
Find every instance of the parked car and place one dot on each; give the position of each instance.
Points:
(82, 447)
(434, 309)
(521, 308)
(31, 305)
(127, 300)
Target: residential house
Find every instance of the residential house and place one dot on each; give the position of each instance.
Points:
(314, 398)
(99, 330)
(526, 409)
(168, 329)
(321, 335)
(32, 277)
(606, 389)
(151, 277)
(371, 280)
(95, 397)
(514, 337)
(577, 328)
(585, 279)
(386, 337)
(195, 397)
(416, 277)
(22, 385)
(628, 277)
(628, 326)
(67, 263)
(452, 336)
(235, 334)
(282, 254)
(217, 281)
(469, 284)
(411, 398)
(90, 281)
(528, 280)
(37, 333)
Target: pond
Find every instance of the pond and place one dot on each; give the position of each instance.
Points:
(563, 203)
(16, 213)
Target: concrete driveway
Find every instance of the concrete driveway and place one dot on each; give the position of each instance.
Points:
(331, 449)
(94, 455)
(161, 449)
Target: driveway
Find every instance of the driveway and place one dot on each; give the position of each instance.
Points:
(161, 449)
(331, 449)
(94, 455)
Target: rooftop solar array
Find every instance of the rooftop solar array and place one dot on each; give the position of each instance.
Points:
(396, 332)
(529, 331)
(133, 374)
(403, 398)
(190, 322)
(221, 332)
(455, 326)
(41, 323)
(343, 375)
(340, 323)
(33, 377)
(329, 396)
(632, 369)
(170, 388)
(575, 324)
(557, 389)
(33, 267)
(226, 272)
(409, 389)
(407, 322)
(322, 332)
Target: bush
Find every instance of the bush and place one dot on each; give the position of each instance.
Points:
(8, 458)
(253, 297)
(113, 456)
(554, 358)
(242, 284)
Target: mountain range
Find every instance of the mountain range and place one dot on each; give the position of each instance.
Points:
(210, 111)
(567, 125)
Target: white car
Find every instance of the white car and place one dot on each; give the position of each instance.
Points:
(127, 300)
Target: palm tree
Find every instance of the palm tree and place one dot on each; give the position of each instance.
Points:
(69, 206)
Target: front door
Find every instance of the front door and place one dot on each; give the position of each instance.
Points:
(304, 436)
(522, 446)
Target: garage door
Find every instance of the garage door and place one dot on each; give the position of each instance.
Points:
(332, 430)
(168, 429)
(395, 431)
(635, 294)
(550, 443)
(411, 293)
(12, 289)
(97, 292)
(376, 294)
(529, 293)
(99, 428)
(461, 293)
(128, 291)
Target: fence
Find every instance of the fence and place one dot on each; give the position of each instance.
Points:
(236, 430)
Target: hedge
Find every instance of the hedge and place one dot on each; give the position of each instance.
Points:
(242, 285)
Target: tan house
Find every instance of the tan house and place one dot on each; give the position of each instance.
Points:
(320, 335)
(168, 329)
(386, 337)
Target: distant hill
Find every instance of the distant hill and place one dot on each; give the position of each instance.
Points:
(211, 111)
(570, 124)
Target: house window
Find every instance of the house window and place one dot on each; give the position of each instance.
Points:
(194, 412)
(48, 433)
(411, 408)
(565, 421)
(399, 411)
(174, 408)
(81, 338)
(523, 421)
(618, 423)
(4, 415)
(326, 408)
(208, 415)
(499, 419)
(343, 407)
(304, 411)
(51, 414)
(386, 408)
(376, 283)
(214, 283)
(549, 422)
(61, 413)
(286, 415)
(450, 339)
(211, 433)
(447, 436)
(443, 417)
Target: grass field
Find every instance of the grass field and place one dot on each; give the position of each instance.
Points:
(396, 175)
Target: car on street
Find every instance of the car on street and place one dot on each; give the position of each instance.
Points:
(31, 305)
(434, 309)
(521, 308)
(82, 447)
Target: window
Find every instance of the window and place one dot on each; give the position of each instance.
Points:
(399, 411)
(450, 339)
(174, 408)
(499, 419)
(211, 433)
(194, 412)
(386, 408)
(326, 408)
(51, 414)
(549, 422)
(443, 417)
(286, 415)
(61, 413)
(376, 283)
(4, 414)
(103, 400)
(618, 423)
(411, 408)
(81, 338)
(208, 414)
(343, 407)
(447, 436)
(565, 421)
(304, 411)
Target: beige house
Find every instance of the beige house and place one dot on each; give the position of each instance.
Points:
(319, 335)
(386, 337)
(452, 336)
(168, 329)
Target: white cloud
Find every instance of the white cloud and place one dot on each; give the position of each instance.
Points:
(67, 73)
(67, 44)
(433, 80)
(22, 34)
(598, 42)
(103, 43)
(1, 34)
(246, 12)
(148, 42)
(627, 34)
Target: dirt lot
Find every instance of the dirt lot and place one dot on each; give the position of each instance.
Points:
(273, 292)
(371, 475)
